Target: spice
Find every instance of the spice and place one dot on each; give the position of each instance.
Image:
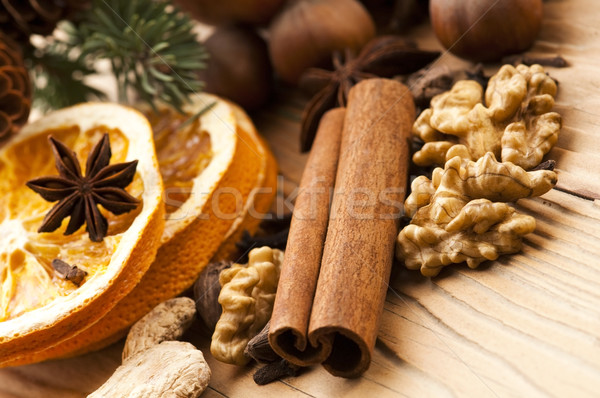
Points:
(166, 322)
(80, 196)
(275, 371)
(206, 293)
(302, 262)
(384, 56)
(168, 369)
(259, 348)
(345, 308)
(278, 240)
(69, 272)
(154, 365)
(555, 61)
(273, 232)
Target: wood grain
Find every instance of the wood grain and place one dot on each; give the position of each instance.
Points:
(524, 325)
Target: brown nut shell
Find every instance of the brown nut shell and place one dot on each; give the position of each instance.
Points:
(486, 30)
(238, 67)
(230, 11)
(306, 32)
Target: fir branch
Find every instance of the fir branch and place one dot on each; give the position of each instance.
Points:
(58, 77)
(150, 44)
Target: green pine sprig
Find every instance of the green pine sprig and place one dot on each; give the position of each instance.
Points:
(150, 44)
(59, 77)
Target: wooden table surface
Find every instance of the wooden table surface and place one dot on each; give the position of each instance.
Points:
(524, 325)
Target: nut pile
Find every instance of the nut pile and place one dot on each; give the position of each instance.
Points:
(515, 123)
(461, 214)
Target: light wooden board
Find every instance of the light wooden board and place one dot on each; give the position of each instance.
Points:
(524, 325)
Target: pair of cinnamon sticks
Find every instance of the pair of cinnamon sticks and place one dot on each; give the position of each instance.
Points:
(340, 250)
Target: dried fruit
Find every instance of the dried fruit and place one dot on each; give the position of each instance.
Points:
(515, 124)
(247, 296)
(223, 152)
(38, 310)
(455, 217)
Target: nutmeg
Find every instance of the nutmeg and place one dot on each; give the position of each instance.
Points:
(222, 12)
(486, 30)
(306, 32)
(206, 294)
(238, 67)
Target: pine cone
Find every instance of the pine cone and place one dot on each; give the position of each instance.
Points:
(15, 87)
(21, 18)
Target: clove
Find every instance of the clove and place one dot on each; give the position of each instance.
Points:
(275, 371)
(259, 348)
(555, 61)
(69, 272)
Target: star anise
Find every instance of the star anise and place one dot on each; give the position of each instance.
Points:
(80, 196)
(384, 56)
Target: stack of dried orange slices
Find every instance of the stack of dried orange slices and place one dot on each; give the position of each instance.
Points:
(218, 177)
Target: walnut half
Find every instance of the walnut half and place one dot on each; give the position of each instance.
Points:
(456, 218)
(247, 297)
(513, 119)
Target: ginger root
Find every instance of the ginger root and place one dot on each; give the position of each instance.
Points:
(455, 218)
(247, 297)
(515, 123)
(169, 369)
(167, 321)
(155, 366)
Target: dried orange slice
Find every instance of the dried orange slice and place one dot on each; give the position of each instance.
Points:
(37, 307)
(211, 170)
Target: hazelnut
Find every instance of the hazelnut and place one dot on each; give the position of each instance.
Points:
(486, 30)
(238, 67)
(306, 32)
(230, 11)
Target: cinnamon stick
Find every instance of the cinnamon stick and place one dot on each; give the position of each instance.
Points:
(357, 256)
(302, 261)
(358, 253)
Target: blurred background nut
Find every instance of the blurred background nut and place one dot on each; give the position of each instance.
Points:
(486, 30)
(230, 11)
(238, 67)
(306, 32)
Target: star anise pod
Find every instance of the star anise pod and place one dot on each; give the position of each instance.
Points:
(80, 196)
(384, 56)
